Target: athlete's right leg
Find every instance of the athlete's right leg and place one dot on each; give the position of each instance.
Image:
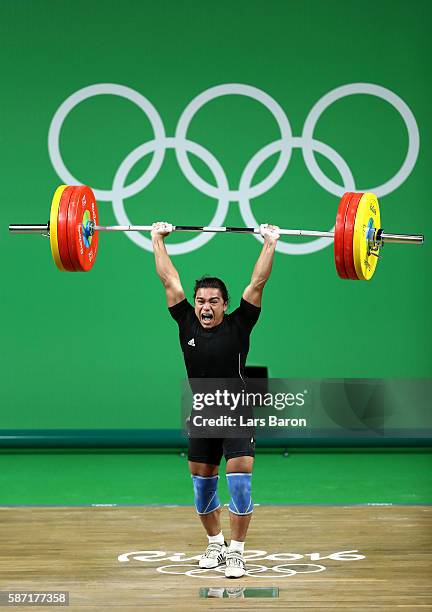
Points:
(205, 478)
(204, 458)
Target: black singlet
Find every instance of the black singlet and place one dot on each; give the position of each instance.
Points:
(218, 352)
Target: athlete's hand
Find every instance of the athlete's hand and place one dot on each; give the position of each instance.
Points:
(161, 228)
(270, 233)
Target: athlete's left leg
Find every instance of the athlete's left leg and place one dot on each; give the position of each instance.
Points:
(239, 475)
(239, 523)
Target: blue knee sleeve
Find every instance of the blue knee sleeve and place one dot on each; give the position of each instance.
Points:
(205, 490)
(239, 486)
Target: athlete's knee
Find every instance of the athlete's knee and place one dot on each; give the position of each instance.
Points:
(203, 469)
(239, 485)
(205, 490)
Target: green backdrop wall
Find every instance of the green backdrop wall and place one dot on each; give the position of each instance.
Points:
(100, 350)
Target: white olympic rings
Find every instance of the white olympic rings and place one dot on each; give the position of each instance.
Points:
(284, 570)
(222, 191)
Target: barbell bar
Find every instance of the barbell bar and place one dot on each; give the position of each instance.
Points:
(73, 230)
(43, 228)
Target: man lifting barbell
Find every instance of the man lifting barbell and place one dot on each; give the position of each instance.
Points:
(74, 229)
(215, 346)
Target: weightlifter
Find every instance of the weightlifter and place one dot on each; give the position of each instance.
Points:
(215, 345)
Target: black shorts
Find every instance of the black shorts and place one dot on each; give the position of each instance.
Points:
(210, 450)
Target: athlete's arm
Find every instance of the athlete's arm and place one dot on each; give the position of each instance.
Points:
(263, 266)
(164, 266)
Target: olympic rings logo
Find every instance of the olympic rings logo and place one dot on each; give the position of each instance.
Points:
(256, 571)
(222, 191)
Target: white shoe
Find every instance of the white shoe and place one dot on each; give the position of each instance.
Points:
(213, 556)
(235, 565)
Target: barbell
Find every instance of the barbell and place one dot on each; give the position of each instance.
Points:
(73, 230)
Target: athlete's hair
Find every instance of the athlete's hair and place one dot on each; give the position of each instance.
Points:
(211, 282)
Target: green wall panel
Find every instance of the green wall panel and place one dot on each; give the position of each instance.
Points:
(100, 350)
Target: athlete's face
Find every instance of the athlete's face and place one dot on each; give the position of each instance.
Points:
(209, 307)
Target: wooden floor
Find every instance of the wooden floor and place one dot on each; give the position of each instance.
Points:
(94, 554)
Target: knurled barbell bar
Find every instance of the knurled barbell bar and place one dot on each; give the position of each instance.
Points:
(73, 229)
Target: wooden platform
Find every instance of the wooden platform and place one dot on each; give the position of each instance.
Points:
(94, 554)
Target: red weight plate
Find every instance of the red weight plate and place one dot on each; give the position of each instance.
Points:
(62, 229)
(339, 235)
(349, 235)
(71, 229)
(82, 209)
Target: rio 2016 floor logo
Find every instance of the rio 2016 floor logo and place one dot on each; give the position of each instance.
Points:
(287, 564)
(221, 191)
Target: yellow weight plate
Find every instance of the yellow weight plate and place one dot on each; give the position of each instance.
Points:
(367, 219)
(53, 227)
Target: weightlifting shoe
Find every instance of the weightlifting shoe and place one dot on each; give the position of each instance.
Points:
(213, 556)
(235, 565)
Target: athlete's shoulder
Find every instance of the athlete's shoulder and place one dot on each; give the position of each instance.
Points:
(182, 311)
(245, 315)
